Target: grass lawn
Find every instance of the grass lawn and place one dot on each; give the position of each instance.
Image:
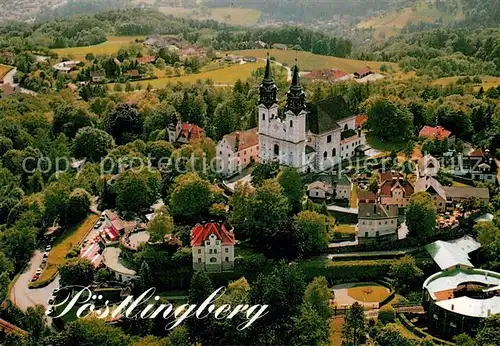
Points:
(349, 229)
(308, 61)
(370, 293)
(63, 245)
(228, 15)
(404, 331)
(227, 76)
(459, 184)
(4, 69)
(336, 325)
(377, 144)
(111, 46)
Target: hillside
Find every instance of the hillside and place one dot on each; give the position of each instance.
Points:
(228, 15)
(26, 10)
(391, 24)
(308, 61)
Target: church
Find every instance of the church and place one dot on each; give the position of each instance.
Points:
(305, 136)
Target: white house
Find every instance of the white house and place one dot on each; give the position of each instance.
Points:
(377, 222)
(213, 247)
(320, 189)
(237, 150)
(313, 136)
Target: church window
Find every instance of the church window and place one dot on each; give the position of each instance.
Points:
(215, 250)
(263, 116)
(199, 251)
(329, 139)
(213, 260)
(276, 149)
(291, 123)
(325, 155)
(334, 152)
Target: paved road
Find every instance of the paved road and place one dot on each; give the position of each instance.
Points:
(343, 209)
(371, 253)
(24, 297)
(9, 78)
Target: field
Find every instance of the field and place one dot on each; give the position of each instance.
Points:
(228, 15)
(3, 70)
(63, 246)
(390, 24)
(369, 293)
(227, 76)
(111, 46)
(308, 61)
(343, 228)
(488, 82)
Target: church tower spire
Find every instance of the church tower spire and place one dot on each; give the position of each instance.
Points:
(268, 89)
(296, 99)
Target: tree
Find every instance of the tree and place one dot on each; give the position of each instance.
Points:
(263, 172)
(191, 197)
(421, 215)
(56, 197)
(310, 328)
(464, 340)
(77, 271)
(68, 119)
(136, 190)
(78, 205)
(283, 289)
(35, 321)
(389, 120)
(160, 225)
(489, 334)
(145, 276)
(200, 288)
(124, 123)
(18, 243)
(488, 234)
(225, 119)
(314, 228)
(317, 295)
(293, 187)
(405, 272)
(373, 184)
(92, 144)
(390, 335)
(91, 331)
(354, 329)
(386, 314)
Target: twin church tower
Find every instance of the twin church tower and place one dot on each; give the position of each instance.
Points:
(319, 135)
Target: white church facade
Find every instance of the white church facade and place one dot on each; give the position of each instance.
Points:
(306, 136)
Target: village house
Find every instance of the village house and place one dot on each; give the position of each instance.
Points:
(182, 133)
(436, 133)
(7, 89)
(98, 76)
(114, 227)
(259, 45)
(249, 59)
(453, 254)
(235, 59)
(330, 76)
(343, 186)
(479, 165)
(66, 66)
(428, 166)
(449, 196)
(237, 150)
(362, 73)
(162, 42)
(212, 246)
(279, 46)
(377, 222)
(133, 73)
(394, 189)
(321, 189)
(146, 60)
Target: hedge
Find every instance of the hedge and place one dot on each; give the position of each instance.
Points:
(419, 332)
(345, 271)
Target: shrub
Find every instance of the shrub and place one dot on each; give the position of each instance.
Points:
(387, 314)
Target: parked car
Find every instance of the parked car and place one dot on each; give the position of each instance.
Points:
(35, 277)
(48, 248)
(38, 271)
(45, 254)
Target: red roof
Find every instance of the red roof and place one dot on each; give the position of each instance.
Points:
(146, 59)
(191, 131)
(363, 71)
(477, 153)
(360, 120)
(133, 73)
(243, 140)
(201, 232)
(111, 233)
(437, 132)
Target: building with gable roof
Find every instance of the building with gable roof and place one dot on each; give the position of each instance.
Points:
(182, 133)
(453, 254)
(428, 166)
(212, 245)
(394, 189)
(436, 133)
(305, 136)
(377, 222)
(237, 150)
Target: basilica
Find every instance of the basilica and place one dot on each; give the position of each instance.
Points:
(306, 136)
